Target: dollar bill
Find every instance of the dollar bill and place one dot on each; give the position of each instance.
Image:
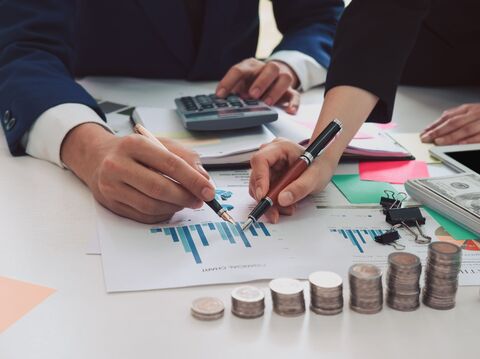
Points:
(463, 190)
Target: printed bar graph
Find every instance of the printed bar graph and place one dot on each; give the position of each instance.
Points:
(358, 237)
(192, 234)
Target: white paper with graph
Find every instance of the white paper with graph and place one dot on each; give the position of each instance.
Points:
(196, 248)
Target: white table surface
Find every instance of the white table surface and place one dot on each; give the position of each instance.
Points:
(47, 217)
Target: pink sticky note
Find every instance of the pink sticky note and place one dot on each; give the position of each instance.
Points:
(397, 172)
(363, 136)
(386, 126)
(18, 298)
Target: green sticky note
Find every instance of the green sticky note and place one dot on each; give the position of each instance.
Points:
(358, 191)
(456, 231)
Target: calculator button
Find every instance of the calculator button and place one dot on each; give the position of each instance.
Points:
(236, 104)
(206, 105)
(251, 102)
(221, 104)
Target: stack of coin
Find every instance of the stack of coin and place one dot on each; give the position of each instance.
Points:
(326, 293)
(287, 296)
(207, 308)
(441, 275)
(403, 276)
(366, 293)
(248, 302)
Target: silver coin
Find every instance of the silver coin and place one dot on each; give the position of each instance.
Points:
(207, 308)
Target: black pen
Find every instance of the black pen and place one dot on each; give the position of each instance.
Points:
(296, 169)
(214, 204)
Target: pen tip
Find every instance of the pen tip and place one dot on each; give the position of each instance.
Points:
(247, 224)
(227, 217)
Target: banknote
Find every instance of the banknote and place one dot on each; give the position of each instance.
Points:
(463, 190)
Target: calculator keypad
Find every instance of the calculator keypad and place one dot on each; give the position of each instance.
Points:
(208, 102)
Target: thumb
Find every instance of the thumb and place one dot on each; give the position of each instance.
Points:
(295, 191)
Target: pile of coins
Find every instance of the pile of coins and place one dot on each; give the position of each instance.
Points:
(207, 308)
(403, 276)
(441, 275)
(287, 297)
(366, 293)
(248, 302)
(326, 293)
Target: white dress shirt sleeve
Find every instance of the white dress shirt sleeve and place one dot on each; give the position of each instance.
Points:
(309, 72)
(44, 140)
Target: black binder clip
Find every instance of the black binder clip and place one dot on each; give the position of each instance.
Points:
(392, 200)
(407, 218)
(390, 238)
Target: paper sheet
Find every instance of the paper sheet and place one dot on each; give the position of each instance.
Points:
(17, 298)
(397, 172)
(411, 141)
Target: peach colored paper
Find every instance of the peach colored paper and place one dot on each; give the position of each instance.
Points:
(17, 298)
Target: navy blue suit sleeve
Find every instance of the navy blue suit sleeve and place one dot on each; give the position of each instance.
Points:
(36, 54)
(373, 41)
(308, 26)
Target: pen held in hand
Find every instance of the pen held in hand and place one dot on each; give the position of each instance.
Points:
(321, 142)
(214, 204)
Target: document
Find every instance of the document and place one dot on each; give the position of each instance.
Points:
(196, 248)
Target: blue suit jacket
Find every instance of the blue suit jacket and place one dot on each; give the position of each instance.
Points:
(45, 44)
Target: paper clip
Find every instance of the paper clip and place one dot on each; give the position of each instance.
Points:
(390, 238)
(392, 201)
(424, 238)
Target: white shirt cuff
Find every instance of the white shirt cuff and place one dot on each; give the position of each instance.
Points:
(309, 72)
(44, 141)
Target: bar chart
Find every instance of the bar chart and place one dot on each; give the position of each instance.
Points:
(357, 236)
(189, 236)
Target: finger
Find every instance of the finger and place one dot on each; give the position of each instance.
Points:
(290, 101)
(267, 76)
(142, 203)
(472, 139)
(449, 126)
(158, 187)
(302, 186)
(459, 134)
(272, 215)
(446, 115)
(240, 71)
(173, 166)
(128, 212)
(287, 211)
(188, 155)
(259, 177)
(278, 89)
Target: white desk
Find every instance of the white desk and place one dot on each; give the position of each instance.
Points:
(47, 217)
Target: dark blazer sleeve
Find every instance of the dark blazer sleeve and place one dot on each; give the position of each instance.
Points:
(36, 53)
(373, 41)
(308, 26)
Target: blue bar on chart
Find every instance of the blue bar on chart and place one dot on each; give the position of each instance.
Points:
(189, 235)
(358, 237)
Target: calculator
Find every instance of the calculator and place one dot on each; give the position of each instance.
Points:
(211, 113)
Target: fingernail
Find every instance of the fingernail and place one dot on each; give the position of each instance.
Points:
(221, 92)
(258, 193)
(208, 194)
(268, 101)
(255, 93)
(440, 141)
(425, 138)
(285, 199)
(197, 205)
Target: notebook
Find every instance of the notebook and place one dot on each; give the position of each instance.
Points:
(220, 149)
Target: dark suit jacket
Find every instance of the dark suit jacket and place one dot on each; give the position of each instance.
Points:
(381, 43)
(44, 44)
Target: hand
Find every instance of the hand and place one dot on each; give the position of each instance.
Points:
(274, 82)
(271, 161)
(459, 125)
(134, 177)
